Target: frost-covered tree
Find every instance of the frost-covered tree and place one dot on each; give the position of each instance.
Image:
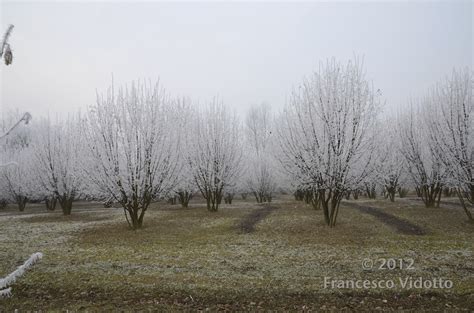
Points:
(216, 154)
(258, 128)
(133, 147)
(326, 132)
(260, 176)
(389, 163)
(58, 151)
(185, 187)
(419, 148)
(15, 173)
(5, 50)
(451, 129)
(17, 183)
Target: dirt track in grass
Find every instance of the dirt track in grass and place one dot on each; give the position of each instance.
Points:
(247, 225)
(401, 226)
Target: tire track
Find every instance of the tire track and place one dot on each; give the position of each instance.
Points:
(400, 225)
(247, 224)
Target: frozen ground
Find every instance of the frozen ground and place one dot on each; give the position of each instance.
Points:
(194, 259)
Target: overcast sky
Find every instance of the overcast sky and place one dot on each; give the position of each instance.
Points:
(246, 53)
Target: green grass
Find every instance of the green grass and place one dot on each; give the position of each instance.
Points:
(193, 259)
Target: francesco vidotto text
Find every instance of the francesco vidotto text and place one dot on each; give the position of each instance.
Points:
(406, 282)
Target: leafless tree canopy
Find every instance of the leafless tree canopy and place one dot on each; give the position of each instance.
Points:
(133, 147)
(138, 144)
(326, 132)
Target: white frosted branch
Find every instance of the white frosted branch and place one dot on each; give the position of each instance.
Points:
(26, 118)
(5, 293)
(5, 39)
(13, 276)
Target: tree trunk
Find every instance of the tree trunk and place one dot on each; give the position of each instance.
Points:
(391, 190)
(355, 194)
(464, 204)
(439, 198)
(348, 195)
(184, 198)
(330, 201)
(431, 194)
(50, 203)
(418, 191)
(228, 198)
(134, 215)
(402, 192)
(65, 202)
(21, 201)
(208, 201)
(172, 200)
(257, 196)
(447, 192)
(299, 195)
(308, 195)
(213, 199)
(316, 201)
(470, 194)
(371, 191)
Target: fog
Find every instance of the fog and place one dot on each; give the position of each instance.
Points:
(245, 53)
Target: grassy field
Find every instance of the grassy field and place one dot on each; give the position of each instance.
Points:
(191, 259)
